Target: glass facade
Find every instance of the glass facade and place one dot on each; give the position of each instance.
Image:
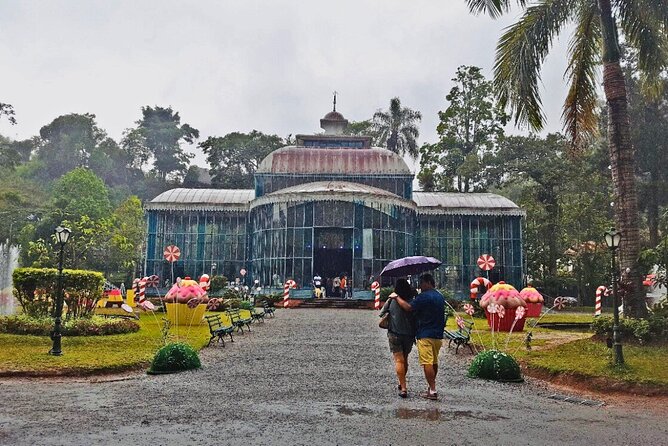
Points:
(458, 241)
(401, 185)
(297, 240)
(209, 242)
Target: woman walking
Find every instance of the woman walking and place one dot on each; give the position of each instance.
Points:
(401, 332)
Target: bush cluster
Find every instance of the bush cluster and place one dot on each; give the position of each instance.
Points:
(654, 328)
(217, 284)
(95, 326)
(36, 288)
(495, 365)
(175, 357)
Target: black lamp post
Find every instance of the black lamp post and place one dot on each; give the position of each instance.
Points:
(62, 236)
(612, 239)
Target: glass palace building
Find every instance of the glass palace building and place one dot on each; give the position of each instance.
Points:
(332, 205)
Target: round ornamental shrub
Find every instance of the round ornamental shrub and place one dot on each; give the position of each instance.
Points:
(496, 366)
(175, 357)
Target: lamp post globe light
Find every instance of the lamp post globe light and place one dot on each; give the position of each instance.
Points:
(62, 236)
(613, 239)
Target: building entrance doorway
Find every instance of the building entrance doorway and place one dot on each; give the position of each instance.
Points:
(333, 257)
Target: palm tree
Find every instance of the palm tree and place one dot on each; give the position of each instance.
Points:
(397, 128)
(597, 23)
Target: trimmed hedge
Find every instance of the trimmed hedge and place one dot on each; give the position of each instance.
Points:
(35, 289)
(96, 326)
(175, 357)
(495, 365)
(654, 328)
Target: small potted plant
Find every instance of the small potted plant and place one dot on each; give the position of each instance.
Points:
(186, 302)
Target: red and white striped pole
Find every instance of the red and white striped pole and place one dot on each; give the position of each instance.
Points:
(286, 292)
(142, 289)
(375, 286)
(600, 292)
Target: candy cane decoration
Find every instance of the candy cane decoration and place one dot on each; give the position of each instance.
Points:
(142, 289)
(476, 283)
(286, 291)
(375, 286)
(600, 292)
(204, 282)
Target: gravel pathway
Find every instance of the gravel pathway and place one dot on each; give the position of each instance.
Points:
(308, 377)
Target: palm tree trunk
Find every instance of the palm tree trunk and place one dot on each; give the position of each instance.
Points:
(622, 162)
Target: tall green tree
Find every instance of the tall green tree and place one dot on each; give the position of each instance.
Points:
(68, 142)
(520, 54)
(160, 135)
(81, 193)
(649, 135)
(469, 130)
(397, 128)
(7, 110)
(234, 158)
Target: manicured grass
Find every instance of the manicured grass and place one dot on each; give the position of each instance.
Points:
(542, 338)
(562, 352)
(589, 358)
(84, 355)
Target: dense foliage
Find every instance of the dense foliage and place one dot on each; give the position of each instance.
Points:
(95, 326)
(175, 357)
(35, 289)
(652, 329)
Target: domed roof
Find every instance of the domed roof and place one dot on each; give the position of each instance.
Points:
(334, 116)
(333, 191)
(337, 161)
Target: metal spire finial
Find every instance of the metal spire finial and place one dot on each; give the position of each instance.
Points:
(335, 101)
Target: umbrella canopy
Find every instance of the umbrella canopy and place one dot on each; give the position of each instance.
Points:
(409, 266)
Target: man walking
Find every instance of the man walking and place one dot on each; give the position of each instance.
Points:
(429, 310)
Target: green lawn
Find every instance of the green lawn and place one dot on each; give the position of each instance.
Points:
(576, 353)
(588, 358)
(92, 354)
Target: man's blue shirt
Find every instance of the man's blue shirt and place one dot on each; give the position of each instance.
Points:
(429, 309)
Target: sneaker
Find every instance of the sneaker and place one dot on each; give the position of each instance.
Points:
(429, 395)
(403, 393)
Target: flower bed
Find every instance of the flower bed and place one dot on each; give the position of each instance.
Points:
(95, 326)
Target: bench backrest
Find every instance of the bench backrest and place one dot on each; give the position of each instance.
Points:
(234, 314)
(214, 322)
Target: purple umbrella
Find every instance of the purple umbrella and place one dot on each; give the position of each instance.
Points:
(410, 266)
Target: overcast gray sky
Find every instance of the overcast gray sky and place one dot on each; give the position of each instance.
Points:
(242, 65)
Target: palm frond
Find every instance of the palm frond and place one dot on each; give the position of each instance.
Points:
(494, 8)
(645, 30)
(520, 54)
(579, 115)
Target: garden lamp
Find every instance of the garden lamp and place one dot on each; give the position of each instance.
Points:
(62, 236)
(613, 238)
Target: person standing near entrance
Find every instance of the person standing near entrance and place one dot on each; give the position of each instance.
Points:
(336, 283)
(344, 286)
(429, 310)
(401, 331)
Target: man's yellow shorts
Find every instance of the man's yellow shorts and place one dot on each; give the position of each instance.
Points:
(428, 349)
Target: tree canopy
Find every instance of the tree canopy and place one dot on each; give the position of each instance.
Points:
(234, 158)
(397, 128)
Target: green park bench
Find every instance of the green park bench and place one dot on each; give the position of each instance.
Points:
(462, 336)
(268, 310)
(218, 329)
(239, 322)
(257, 314)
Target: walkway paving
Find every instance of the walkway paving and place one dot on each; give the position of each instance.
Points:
(308, 377)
